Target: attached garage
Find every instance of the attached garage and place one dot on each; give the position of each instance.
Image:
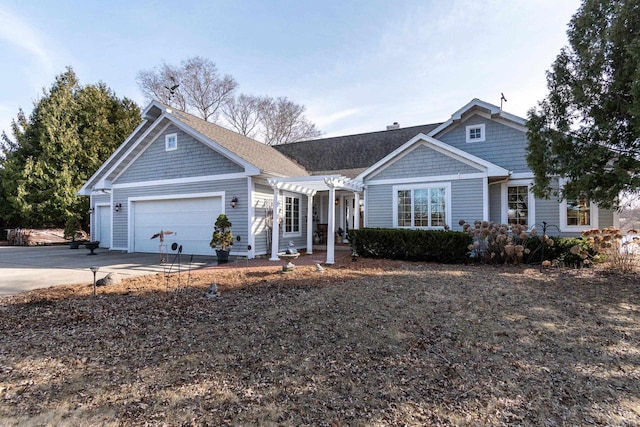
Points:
(190, 218)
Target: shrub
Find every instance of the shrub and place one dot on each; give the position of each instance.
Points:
(413, 245)
(222, 237)
(496, 243)
(608, 244)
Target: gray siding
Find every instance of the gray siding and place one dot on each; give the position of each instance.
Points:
(466, 201)
(424, 161)
(191, 158)
(378, 205)
(548, 210)
(495, 203)
(231, 188)
(503, 145)
(605, 218)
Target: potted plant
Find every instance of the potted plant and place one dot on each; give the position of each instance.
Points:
(222, 238)
(71, 229)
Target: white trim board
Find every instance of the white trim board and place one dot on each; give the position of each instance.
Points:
(188, 180)
(427, 179)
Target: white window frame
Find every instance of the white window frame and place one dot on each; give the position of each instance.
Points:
(286, 233)
(168, 146)
(475, 127)
(576, 228)
(447, 207)
(531, 204)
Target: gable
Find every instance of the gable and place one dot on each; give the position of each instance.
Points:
(424, 161)
(191, 158)
(504, 145)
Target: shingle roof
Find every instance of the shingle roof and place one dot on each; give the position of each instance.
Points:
(349, 153)
(262, 156)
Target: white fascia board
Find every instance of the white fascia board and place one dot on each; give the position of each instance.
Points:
(446, 149)
(249, 168)
(85, 190)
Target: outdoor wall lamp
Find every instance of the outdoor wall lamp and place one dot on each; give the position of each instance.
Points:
(117, 207)
(91, 211)
(337, 202)
(234, 202)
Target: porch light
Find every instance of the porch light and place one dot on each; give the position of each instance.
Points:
(234, 202)
(337, 202)
(117, 207)
(91, 211)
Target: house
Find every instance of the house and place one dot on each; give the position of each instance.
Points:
(177, 172)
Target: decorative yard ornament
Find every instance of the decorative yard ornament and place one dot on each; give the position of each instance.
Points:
(161, 235)
(162, 248)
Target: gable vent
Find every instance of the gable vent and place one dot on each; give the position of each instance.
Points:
(395, 125)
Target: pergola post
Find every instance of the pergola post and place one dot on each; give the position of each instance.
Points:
(356, 212)
(275, 226)
(331, 225)
(310, 223)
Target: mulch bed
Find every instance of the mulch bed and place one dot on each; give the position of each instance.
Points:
(371, 342)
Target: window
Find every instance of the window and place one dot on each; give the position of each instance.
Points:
(292, 215)
(475, 133)
(518, 205)
(171, 142)
(578, 215)
(578, 212)
(421, 207)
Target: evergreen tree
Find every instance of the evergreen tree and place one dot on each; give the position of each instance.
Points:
(587, 129)
(72, 130)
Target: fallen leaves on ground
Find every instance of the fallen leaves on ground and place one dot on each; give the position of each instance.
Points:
(370, 342)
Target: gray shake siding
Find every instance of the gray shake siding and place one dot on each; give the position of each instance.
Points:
(424, 161)
(230, 188)
(503, 145)
(191, 158)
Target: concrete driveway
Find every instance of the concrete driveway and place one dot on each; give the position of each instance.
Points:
(25, 268)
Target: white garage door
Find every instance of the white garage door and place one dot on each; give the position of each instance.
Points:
(191, 220)
(103, 226)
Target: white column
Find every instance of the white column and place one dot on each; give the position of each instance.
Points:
(310, 223)
(331, 226)
(356, 212)
(275, 228)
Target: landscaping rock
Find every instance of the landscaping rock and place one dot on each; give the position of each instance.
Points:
(109, 279)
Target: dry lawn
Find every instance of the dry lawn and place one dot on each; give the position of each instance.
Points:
(364, 343)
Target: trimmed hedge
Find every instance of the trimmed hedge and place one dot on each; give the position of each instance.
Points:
(414, 245)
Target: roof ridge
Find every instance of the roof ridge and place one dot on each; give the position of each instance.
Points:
(386, 131)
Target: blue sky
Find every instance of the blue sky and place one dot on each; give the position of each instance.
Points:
(357, 66)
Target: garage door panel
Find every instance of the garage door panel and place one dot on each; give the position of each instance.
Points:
(190, 219)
